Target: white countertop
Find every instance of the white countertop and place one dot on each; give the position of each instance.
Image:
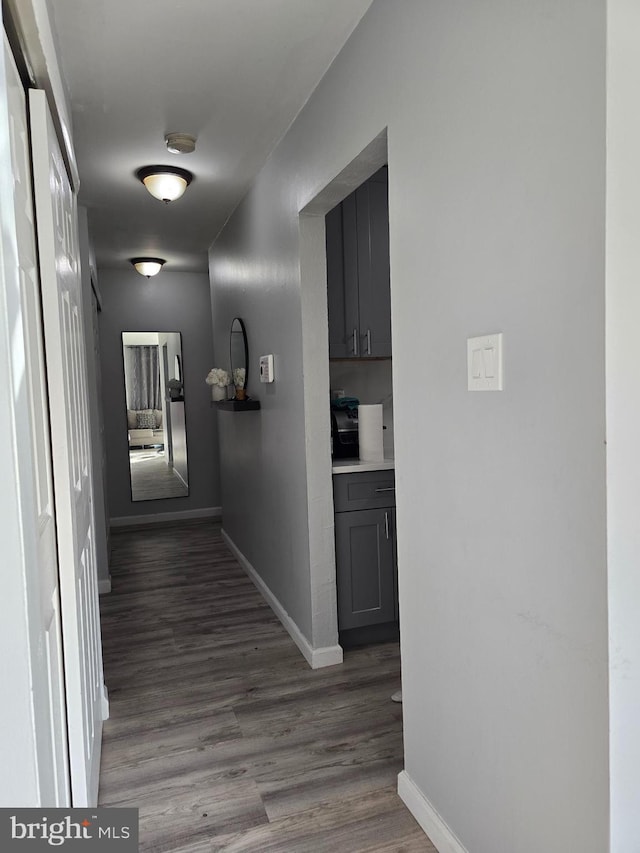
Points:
(352, 466)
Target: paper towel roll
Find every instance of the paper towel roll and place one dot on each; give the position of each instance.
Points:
(370, 432)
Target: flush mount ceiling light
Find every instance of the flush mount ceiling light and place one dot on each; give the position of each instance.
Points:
(148, 266)
(180, 143)
(166, 183)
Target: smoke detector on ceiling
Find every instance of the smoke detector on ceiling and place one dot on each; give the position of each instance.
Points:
(180, 143)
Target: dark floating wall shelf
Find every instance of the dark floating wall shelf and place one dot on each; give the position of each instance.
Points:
(237, 405)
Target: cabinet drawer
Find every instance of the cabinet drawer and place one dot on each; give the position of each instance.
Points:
(366, 490)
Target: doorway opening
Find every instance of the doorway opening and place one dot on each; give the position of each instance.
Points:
(361, 403)
(321, 376)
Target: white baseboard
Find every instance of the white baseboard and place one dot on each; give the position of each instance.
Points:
(105, 702)
(159, 517)
(316, 658)
(104, 586)
(181, 478)
(442, 837)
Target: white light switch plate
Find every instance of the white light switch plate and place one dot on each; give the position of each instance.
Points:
(484, 363)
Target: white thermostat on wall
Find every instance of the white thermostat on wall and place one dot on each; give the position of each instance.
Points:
(266, 368)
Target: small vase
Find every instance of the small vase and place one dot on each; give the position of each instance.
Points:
(218, 392)
(240, 393)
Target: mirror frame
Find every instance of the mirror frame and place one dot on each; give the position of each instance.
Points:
(246, 350)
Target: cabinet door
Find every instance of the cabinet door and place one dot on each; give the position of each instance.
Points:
(373, 268)
(365, 568)
(342, 280)
(335, 283)
(350, 244)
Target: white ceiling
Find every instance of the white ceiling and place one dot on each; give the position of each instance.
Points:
(233, 73)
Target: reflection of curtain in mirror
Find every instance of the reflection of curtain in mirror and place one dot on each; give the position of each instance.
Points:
(142, 377)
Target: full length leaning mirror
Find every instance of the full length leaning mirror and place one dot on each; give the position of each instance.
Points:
(155, 423)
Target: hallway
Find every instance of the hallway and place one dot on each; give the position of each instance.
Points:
(220, 733)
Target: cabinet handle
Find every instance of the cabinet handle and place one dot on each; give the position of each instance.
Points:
(386, 524)
(368, 341)
(355, 342)
(390, 489)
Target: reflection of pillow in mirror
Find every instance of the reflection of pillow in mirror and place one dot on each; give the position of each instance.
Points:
(146, 419)
(158, 414)
(132, 420)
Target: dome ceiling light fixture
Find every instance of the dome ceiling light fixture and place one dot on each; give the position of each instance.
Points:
(166, 183)
(180, 143)
(148, 266)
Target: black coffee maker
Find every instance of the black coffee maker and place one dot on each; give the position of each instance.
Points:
(344, 428)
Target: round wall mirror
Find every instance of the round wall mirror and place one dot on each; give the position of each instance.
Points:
(239, 356)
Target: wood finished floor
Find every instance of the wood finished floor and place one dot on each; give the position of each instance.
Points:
(220, 733)
(151, 478)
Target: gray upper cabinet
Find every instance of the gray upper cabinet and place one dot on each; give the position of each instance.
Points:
(358, 272)
(335, 283)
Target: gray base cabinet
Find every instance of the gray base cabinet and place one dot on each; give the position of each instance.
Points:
(365, 549)
(366, 568)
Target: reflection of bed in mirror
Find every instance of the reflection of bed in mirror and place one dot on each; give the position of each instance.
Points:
(156, 429)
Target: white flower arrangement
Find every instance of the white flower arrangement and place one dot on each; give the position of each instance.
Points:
(239, 376)
(218, 376)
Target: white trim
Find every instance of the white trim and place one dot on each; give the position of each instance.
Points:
(316, 658)
(181, 478)
(104, 586)
(159, 517)
(315, 367)
(440, 834)
(105, 702)
(34, 26)
(325, 656)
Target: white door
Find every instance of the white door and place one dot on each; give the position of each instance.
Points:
(56, 217)
(42, 578)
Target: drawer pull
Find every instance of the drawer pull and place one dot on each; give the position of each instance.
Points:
(390, 489)
(386, 524)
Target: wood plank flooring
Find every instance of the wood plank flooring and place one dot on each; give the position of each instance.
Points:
(152, 478)
(220, 733)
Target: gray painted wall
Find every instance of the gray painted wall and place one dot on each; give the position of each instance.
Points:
(177, 301)
(623, 418)
(496, 129)
(177, 409)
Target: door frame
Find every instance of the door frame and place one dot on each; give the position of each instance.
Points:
(325, 648)
(29, 21)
